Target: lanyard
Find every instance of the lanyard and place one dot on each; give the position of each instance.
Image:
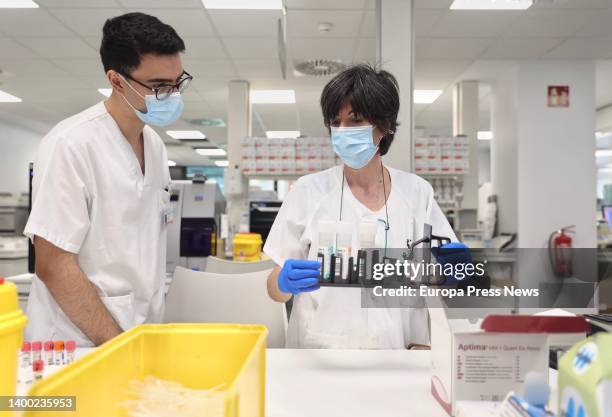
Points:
(384, 222)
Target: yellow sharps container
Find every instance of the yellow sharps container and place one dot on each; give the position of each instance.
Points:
(247, 247)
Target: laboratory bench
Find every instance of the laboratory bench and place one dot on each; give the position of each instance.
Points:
(356, 383)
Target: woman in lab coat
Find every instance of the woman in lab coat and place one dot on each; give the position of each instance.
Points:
(360, 107)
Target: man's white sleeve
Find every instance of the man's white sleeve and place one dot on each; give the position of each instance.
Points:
(60, 212)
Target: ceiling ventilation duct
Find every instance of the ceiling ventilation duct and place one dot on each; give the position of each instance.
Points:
(319, 67)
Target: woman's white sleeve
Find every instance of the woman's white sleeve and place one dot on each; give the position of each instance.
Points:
(285, 240)
(60, 211)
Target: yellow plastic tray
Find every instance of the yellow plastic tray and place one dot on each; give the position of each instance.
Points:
(12, 322)
(199, 356)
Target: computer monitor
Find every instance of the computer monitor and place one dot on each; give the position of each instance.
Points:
(606, 211)
(198, 237)
(262, 215)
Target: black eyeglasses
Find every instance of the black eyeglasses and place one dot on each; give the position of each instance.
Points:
(162, 92)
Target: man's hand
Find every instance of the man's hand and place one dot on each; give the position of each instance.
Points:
(73, 292)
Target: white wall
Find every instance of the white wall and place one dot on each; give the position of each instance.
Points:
(556, 153)
(543, 159)
(18, 146)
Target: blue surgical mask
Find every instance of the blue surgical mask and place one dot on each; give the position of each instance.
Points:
(354, 145)
(159, 112)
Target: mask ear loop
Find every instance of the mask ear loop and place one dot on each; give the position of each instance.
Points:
(130, 85)
(134, 90)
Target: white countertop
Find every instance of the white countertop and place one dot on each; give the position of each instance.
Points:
(356, 383)
(352, 383)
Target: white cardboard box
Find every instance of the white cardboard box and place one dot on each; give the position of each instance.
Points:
(470, 364)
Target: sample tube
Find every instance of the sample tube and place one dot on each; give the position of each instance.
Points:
(345, 240)
(337, 267)
(58, 356)
(26, 358)
(367, 240)
(321, 260)
(70, 348)
(351, 271)
(37, 369)
(361, 265)
(25, 376)
(49, 352)
(36, 351)
(325, 249)
(375, 260)
(392, 261)
(342, 256)
(367, 235)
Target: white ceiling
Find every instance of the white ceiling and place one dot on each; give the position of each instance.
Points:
(49, 55)
(468, 45)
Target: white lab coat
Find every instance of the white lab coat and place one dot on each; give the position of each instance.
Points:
(333, 317)
(91, 198)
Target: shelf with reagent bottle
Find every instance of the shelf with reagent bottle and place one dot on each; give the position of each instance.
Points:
(274, 177)
(441, 156)
(285, 158)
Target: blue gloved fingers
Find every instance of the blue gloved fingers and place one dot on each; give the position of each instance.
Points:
(302, 264)
(452, 246)
(305, 283)
(310, 289)
(298, 274)
(455, 245)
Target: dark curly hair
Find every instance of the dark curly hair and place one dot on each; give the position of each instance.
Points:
(374, 94)
(127, 37)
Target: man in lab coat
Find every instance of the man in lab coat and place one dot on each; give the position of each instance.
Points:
(100, 194)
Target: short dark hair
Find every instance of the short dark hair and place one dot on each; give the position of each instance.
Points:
(374, 94)
(127, 37)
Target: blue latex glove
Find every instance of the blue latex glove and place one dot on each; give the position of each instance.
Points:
(299, 276)
(453, 253)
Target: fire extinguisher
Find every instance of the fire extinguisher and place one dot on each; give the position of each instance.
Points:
(560, 252)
